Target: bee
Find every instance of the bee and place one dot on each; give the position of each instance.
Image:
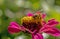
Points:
(32, 22)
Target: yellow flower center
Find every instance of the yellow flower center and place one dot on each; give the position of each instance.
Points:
(32, 22)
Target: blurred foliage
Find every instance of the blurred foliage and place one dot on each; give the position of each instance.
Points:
(14, 10)
(57, 2)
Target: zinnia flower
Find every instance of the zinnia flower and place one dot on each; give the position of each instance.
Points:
(35, 25)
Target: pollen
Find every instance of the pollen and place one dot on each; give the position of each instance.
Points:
(27, 19)
(31, 22)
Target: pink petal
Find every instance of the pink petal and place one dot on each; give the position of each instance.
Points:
(14, 23)
(51, 19)
(14, 28)
(30, 14)
(17, 25)
(52, 22)
(50, 30)
(43, 15)
(37, 36)
(43, 22)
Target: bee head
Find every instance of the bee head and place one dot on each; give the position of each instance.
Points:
(37, 16)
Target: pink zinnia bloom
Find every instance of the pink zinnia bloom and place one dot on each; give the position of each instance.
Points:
(35, 25)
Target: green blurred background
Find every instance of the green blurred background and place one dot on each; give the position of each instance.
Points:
(14, 10)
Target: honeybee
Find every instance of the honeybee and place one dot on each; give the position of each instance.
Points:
(32, 22)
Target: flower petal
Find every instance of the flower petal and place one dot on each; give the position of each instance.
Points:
(37, 36)
(30, 14)
(13, 28)
(43, 22)
(14, 23)
(52, 22)
(43, 15)
(50, 30)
